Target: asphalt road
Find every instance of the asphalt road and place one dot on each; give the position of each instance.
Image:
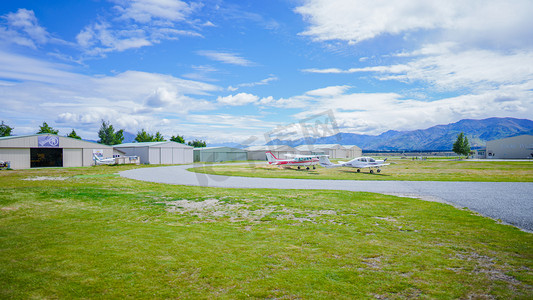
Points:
(511, 202)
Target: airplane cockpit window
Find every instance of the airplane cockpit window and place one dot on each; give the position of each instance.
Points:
(371, 159)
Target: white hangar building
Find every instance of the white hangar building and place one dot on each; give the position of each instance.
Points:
(333, 150)
(49, 150)
(279, 151)
(513, 147)
(158, 153)
(353, 151)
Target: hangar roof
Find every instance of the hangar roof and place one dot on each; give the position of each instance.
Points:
(32, 141)
(223, 149)
(319, 146)
(270, 148)
(152, 144)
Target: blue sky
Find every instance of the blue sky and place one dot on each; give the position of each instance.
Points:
(224, 71)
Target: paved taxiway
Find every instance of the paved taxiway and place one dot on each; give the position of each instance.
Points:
(511, 202)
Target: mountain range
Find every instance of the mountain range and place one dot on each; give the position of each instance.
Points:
(440, 137)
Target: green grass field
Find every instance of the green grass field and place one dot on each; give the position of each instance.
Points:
(87, 233)
(399, 169)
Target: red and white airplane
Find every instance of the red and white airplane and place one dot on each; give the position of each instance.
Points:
(296, 160)
(359, 163)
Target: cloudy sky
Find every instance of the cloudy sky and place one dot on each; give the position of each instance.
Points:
(228, 70)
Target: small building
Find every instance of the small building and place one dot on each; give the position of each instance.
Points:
(333, 150)
(309, 150)
(218, 154)
(353, 151)
(158, 153)
(279, 151)
(512, 147)
(49, 150)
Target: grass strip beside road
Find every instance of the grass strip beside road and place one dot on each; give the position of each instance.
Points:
(83, 233)
(399, 169)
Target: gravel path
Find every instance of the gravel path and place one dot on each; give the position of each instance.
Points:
(511, 202)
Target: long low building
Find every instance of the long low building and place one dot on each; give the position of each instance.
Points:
(49, 150)
(280, 151)
(513, 147)
(159, 153)
(219, 154)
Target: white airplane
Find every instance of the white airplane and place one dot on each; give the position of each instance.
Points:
(103, 161)
(359, 163)
(296, 160)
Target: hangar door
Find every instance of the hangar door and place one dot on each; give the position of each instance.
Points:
(46, 157)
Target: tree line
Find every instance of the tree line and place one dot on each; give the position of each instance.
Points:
(109, 136)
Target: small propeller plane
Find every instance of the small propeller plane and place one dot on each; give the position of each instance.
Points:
(296, 160)
(359, 163)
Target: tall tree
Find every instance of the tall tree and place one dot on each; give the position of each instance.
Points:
(47, 129)
(108, 136)
(197, 143)
(143, 136)
(461, 145)
(178, 139)
(159, 137)
(5, 130)
(74, 135)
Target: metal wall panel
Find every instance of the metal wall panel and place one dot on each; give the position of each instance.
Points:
(72, 157)
(513, 147)
(187, 155)
(154, 156)
(18, 158)
(166, 156)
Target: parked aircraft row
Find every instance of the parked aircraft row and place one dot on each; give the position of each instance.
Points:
(313, 160)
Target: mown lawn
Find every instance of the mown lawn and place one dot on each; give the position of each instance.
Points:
(399, 169)
(96, 235)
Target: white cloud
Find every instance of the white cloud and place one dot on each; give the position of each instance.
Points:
(225, 57)
(144, 11)
(468, 21)
(22, 28)
(252, 84)
(374, 113)
(238, 99)
(329, 91)
(39, 91)
(139, 23)
(453, 70)
(99, 38)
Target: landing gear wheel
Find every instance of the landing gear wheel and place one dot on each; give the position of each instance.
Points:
(379, 170)
(307, 168)
(371, 171)
(358, 170)
(298, 167)
(314, 167)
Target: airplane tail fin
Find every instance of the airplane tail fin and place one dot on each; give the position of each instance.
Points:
(270, 157)
(385, 159)
(323, 160)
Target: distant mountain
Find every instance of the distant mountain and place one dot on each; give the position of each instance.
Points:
(440, 137)
(128, 137)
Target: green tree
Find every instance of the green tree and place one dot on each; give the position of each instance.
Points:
(47, 129)
(143, 136)
(461, 145)
(108, 136)
(74, 135)
(159, 137)
(178, 139)
(197, 143)
(5, 130)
